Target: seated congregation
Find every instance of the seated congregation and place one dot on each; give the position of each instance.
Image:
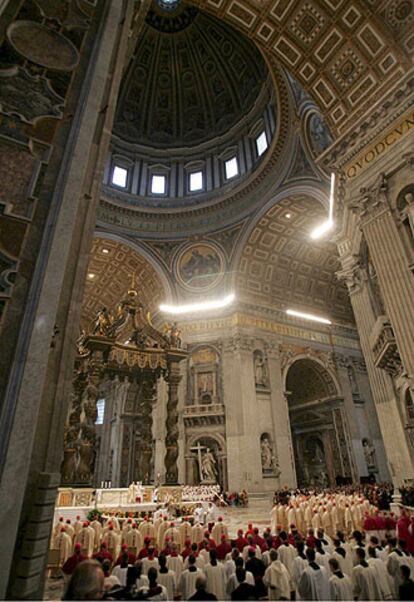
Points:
(320, 546)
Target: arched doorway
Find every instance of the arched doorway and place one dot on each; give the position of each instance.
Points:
(318, 425)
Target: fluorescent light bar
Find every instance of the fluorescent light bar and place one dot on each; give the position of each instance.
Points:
(305, 316)
(327, 225)
(197, 307)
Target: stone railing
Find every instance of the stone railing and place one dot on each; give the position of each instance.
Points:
(204, 409)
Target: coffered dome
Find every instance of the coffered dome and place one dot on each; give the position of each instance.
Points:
(192, 79)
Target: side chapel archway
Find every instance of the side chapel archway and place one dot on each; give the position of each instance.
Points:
(318, 425)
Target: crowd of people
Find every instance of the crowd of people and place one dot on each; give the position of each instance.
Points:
(200, 493)
(332, 545)
(378, 494)
(407, 496)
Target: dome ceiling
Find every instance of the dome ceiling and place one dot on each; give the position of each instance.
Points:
(192, 79)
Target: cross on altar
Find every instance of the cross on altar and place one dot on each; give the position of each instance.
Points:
(198, 448)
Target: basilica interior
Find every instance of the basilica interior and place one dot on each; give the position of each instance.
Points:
(206, 251)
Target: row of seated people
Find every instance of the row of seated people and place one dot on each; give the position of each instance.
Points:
(253, 566)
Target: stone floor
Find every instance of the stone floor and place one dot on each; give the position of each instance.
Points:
(258, 513)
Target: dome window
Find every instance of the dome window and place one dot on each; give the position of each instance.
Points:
(231, 168)
(120, 176)
(158, 184)
(261, 143)
(196, 181)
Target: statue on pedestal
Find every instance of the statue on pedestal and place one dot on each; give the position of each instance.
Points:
(260, 370)
(369, 453)
(208, 467)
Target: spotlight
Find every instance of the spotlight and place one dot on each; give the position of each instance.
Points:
(106, 251)
(91, 276)
(327, 225)
(198, 307)
(305, 316)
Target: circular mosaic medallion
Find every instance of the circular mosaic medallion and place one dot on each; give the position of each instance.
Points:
(42, 45)
(200, 266)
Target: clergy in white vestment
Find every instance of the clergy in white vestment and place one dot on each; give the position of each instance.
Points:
(162, 527)
(147, 529)
(63, 543)
(216, 577)
(86, 539)
(167, 577)
(113, 539)
(300, 563)
(273, 519)
(219, 530)
(120, 571)
(364, 579)
(197, 533)
(173, 535)
(134, 539)
(69, 529)
(211, 513)
(57, 530)
(287, 554)
(187, 579)
(97, 527)
(314, 581)
(382, 574)
(344, 557)
(175, 561)
(321, 555)
(277, 579)
(199, 514)
(395, 559)
(149, 562)
(185, 530)
(340, 585)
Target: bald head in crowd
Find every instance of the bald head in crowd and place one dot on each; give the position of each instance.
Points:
(86, 583)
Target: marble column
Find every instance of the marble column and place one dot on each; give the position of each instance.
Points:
(172, 431)
(399, 459)
(242, 429)
(40, 380)
(391, 265)
(281, 421)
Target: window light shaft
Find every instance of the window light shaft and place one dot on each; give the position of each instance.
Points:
(327, 225)
(306, 316)
(198, 307)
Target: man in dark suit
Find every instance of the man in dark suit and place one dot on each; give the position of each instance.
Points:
(244, 591)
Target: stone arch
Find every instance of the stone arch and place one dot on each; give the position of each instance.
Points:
(326, 375)
(147, 254)
(113, 262)
(319, 434)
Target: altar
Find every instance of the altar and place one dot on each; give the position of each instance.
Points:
(72, 502)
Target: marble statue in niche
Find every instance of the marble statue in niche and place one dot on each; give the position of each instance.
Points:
(208, 467)
(369, 453)
(270, 466)
(260, 370)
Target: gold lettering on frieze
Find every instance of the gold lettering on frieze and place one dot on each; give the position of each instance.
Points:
(381, 147)
(244, 320)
